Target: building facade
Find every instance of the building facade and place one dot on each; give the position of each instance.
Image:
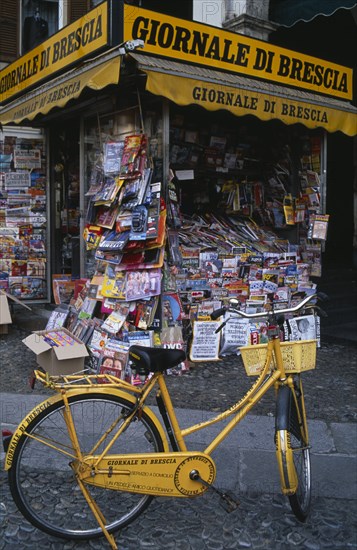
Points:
(81, 98)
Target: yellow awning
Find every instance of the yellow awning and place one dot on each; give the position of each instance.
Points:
(215, 90)
(94, 74)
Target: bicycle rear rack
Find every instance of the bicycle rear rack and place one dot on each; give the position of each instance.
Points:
(83, 380)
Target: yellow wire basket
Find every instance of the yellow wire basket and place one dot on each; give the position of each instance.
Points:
(297, 356)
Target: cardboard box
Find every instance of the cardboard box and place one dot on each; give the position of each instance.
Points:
(5, 315)
(57, 359)
(4, 329)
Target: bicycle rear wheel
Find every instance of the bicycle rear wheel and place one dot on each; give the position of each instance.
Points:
(292, 450)
(42, 482)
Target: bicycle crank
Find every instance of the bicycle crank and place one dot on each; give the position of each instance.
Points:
(228, 500)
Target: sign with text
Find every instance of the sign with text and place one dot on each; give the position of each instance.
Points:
(214, 47)
(14, 180)
(27, 159)
(205, 341)
(74, 42)
(45, 97)
(263, 105)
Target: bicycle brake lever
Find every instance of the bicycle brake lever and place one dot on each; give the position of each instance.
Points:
(217, 313)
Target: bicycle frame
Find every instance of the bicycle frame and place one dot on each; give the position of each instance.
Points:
(239, 409)
(163, 471)
(177, 473)
(268, 378)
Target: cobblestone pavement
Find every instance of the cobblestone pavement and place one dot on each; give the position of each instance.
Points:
(330, 389)
(262, 521)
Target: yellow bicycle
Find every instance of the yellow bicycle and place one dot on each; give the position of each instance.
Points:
(88, 460)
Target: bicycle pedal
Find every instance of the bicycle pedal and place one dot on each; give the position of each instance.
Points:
(229, 502)
(227, 499)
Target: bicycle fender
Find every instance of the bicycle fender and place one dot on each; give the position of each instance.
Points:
(283, 408)
(21, 429)
(41, 407)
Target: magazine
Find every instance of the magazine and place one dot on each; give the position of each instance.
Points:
(206, 307)
(98, 341)
(80, 292)
(108, 191)
(114, 241)
(63, 289)
(141, 338)
(113, 152)
(106, 216)
(87, 309)
(131, 161)
(57, 318)
(114, 322)
(113, 358)
(143, 284)
(171, 308)
(114, 284)
(36, 268)
(172, 338)
(319, 227)
(302, 328)
(80, 329)
(144, 313)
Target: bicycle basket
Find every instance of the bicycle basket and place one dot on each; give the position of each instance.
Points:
(297, 356)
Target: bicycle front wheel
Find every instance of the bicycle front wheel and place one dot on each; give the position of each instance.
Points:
(42, 482)
(293, 451)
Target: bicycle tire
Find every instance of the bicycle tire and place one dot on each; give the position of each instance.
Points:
(42, 482)
(293, 453)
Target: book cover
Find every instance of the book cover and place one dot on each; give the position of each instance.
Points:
(172, 308)
(108, 191)
(36, 268)
(80, 328)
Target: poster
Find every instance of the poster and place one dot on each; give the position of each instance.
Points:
(234, 335)
(205, 342)
(29, 159)
(302, 328)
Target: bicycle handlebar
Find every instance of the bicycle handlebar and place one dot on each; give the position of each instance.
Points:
(234, 309)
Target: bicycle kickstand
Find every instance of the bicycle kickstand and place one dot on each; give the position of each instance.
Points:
(97, 513)
(228, 501)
